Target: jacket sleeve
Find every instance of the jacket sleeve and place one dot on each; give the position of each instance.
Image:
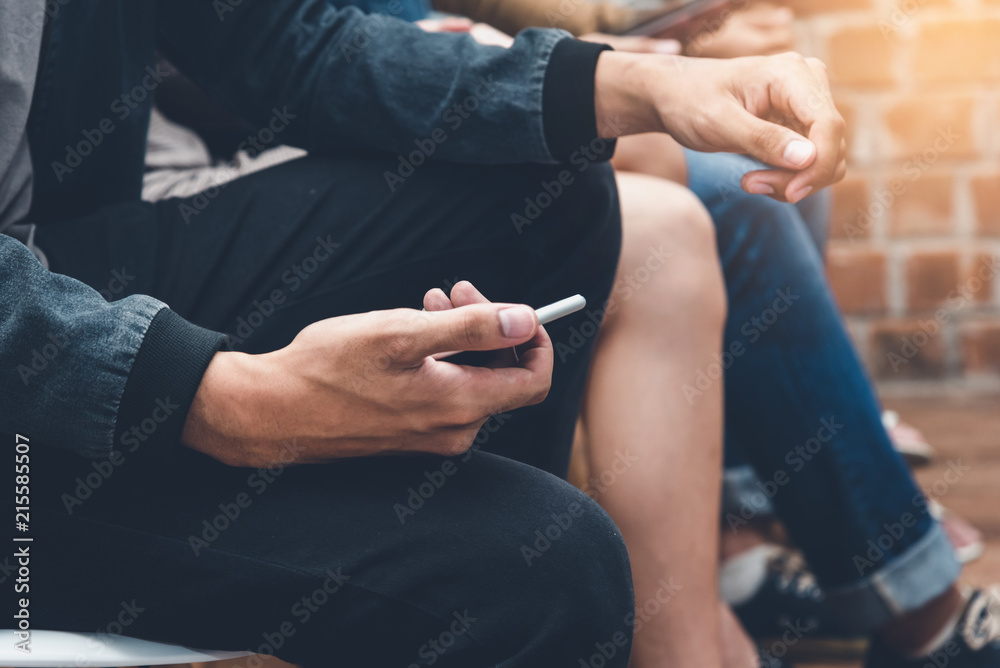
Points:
(512, 16)
(79, 373)
(317, 77)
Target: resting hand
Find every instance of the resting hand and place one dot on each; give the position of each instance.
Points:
(777, 109)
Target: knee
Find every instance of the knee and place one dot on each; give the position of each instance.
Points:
(574, 575)
(669, 264)
(587, 569)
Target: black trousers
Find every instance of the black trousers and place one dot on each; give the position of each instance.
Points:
(480, 560)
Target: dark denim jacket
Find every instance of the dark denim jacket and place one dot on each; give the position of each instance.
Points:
(348, 78)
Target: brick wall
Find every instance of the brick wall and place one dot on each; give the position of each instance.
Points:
(916, 223)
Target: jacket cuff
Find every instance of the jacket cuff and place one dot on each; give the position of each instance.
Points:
(568, 114)
(162, 383)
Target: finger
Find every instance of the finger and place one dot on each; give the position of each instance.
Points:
(769, 142)
(473, 327)
(465, 293)
(485, 391)
(769, 182)
(812, 104)
(437, 300)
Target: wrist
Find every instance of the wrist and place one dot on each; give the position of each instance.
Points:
(228, 412)
(623, 100)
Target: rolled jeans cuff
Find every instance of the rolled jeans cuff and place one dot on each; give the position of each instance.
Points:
(906, 583)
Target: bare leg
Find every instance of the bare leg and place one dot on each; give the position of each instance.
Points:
(665, 497)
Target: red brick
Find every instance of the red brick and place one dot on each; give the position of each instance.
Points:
(981, 347)
(850, 217)
(986, 196)
(857, 277)
(846, 110)
(978, 276)
(958, 50)
(860, 56)
(926, 128)
(907, 349)
(922, 207)
(930, 277)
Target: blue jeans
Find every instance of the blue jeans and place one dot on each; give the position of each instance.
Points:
(802, 411)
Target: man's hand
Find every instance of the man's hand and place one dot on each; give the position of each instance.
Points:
(368, 384)
(777, 109)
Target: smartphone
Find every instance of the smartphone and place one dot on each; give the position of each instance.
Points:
(682, 20)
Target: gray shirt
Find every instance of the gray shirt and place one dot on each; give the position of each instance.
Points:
(21, 23)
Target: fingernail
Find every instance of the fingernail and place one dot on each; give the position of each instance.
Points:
(668, 46)
(760, 189)
(800, 194)
(797, 152)
(517, 322)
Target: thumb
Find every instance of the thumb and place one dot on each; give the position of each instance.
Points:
(771, 143)
(475, 327)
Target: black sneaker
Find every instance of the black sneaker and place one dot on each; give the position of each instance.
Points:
(788, 617)
(975, 643)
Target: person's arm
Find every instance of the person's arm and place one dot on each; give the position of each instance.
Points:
(326, 77)
(512, 16)
(81, 374)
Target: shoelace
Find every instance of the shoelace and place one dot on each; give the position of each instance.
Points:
(981, 623)
(794, 574)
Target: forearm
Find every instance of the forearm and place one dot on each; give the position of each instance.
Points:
(347, 79)
(82, 374)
